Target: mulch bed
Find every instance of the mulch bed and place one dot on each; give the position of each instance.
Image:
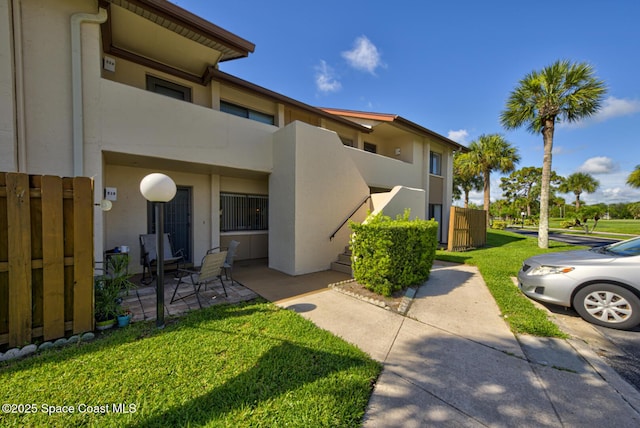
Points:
(397, 302)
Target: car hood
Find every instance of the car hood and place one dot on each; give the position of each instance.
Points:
(576, 257)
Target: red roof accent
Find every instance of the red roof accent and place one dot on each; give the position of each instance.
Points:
(383, 117)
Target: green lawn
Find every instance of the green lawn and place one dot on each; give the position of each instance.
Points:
(251, 364)
(498, 262)
(631, 227)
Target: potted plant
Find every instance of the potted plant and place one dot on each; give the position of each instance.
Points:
(124, 317)
(108, 288)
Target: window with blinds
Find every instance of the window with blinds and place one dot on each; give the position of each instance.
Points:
(243, 212)
(248, 113)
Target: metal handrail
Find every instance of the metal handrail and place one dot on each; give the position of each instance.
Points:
(333, 235)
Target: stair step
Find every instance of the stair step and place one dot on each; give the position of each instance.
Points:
(341, 267)
(345, 258)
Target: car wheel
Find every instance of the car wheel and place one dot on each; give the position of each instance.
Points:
(608, 305)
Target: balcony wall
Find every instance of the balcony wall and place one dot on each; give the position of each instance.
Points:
(135, 121)
(382, 171)
(312, 190)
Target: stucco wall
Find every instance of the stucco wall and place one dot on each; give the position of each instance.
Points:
(384, 172)
(7, 112)
(244, 185)
(128, 217)
(135, 75)
(46, 54)
(313, 188)
(399, 199)
(254, 245)
(436, 189)
(136, 121)
(282, 201)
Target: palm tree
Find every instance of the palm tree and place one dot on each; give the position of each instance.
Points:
(464, 180)
(578, 183)
(634, 177)
(559, 203)
(563, 91)
(486, 154)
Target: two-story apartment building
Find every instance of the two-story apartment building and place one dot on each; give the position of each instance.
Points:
(117, 89)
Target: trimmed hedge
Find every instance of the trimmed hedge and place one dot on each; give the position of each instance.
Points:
(390, 255)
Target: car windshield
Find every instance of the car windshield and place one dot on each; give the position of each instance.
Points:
(624, 248)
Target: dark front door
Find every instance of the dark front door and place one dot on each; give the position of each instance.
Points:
(177, 221)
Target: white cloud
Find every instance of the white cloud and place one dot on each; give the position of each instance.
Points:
(613, 189)
(613, 192)
(459, 136)
(364, 55)
(615, 107)
(599, 165)
(612, 107)
(611, 195)
(325, 78)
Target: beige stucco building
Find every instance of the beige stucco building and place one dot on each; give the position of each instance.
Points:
(117, 89)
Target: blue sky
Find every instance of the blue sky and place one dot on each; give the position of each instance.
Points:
(450, 66)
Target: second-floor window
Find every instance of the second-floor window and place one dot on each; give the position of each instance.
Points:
(435, 164)
(169, 89)
(370, 147)
(347, 141)
(237, 110)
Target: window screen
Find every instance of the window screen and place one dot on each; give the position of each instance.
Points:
(243, 212)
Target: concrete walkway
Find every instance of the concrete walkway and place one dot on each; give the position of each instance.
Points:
(452, 361)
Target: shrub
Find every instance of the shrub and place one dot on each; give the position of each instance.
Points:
(498, 224)
(390, 255)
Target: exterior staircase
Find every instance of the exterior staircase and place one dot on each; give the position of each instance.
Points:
(343, 264)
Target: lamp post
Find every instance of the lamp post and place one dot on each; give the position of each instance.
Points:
(158, 189)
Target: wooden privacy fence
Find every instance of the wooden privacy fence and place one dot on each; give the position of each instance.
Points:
(46, 257)
(467, 229)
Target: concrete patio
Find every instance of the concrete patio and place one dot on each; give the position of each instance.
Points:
(251, 279)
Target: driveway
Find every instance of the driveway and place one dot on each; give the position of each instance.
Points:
(626, 359)
(586, 240)
(620, 349)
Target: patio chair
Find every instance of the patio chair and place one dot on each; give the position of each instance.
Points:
(149, 256)
(210, 270)
(228, 263)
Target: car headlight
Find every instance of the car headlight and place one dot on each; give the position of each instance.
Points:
(550, 270)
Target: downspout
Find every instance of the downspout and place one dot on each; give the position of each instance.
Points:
(18, 66)
(77, 20)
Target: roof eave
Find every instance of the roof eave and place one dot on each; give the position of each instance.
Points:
(428, 132)
(174, 12)
(390, 118)
(215, 74)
